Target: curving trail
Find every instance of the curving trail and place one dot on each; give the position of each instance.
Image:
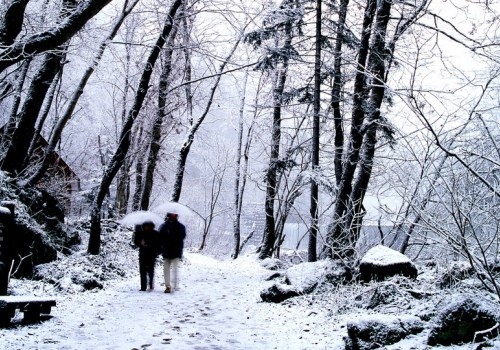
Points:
(217, 307)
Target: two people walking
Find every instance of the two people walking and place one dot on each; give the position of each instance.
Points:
(169, 241)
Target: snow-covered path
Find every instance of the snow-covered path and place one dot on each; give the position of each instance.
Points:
(218, 307)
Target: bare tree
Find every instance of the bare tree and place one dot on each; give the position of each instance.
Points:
(125, 136)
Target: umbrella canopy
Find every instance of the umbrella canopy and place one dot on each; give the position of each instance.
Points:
(175, 208)
(139, 217)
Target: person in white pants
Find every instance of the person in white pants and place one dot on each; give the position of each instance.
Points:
(172, 235)
(171, 274)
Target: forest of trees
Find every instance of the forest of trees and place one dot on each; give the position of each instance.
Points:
(335, 113)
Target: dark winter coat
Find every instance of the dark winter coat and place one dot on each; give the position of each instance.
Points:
(152, 242)
(172, 234)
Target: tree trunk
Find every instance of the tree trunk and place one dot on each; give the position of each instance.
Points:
(337, 243)
(237, 179)
(314, 230)
(17, 152)
(25, 131)
(77, 93)
(125, 136)
(269, 237)
(337, 91)
(139, 173)
(186, 147)
(187, 61)
(376, 67)
(43, 116)
(52, 38)
(12, 23)
(123, 188)
(11, 123)
(155, 144)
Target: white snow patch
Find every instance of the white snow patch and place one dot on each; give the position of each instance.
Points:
(383, 256)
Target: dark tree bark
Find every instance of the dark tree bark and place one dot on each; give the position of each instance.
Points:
(187, 61)
(155, 144)
(337, 91)
(16, 155)
(272, 170)
(44, 113)
(139, 172)
(11, 123)
(337, 242)
(52, 38)
(25, 131)
(376, 67)
(186, 147)
(12, 22)
(237, 179)
(314, 230)
(123, 188)
(73, 101)
(125, 135)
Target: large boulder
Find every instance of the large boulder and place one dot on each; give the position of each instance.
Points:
(378, 330)
(381, 262)
(460, 321)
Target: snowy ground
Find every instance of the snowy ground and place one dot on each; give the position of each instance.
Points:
(218, 307)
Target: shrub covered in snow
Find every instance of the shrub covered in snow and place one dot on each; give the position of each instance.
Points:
(381, 262)
(377, 330)
(81, 271)
(454, 274)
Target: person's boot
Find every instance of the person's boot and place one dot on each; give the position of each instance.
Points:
(168, 289)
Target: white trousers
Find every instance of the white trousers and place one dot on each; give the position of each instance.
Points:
(171, 268)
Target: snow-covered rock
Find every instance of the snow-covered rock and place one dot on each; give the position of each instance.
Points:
(459, 321)
(306, 276)
(377, 330)
(381, 262)
(273, 264)
(278, 292)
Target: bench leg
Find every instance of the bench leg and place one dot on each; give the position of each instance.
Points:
(5, 315)
(32, 314)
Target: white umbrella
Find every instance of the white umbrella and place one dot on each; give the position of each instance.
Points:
(183, 211)
(139, 217)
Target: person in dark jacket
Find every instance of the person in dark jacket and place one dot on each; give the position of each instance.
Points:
(172, 234)
(148, 241)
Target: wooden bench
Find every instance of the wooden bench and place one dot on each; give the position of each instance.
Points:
(32, 307)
